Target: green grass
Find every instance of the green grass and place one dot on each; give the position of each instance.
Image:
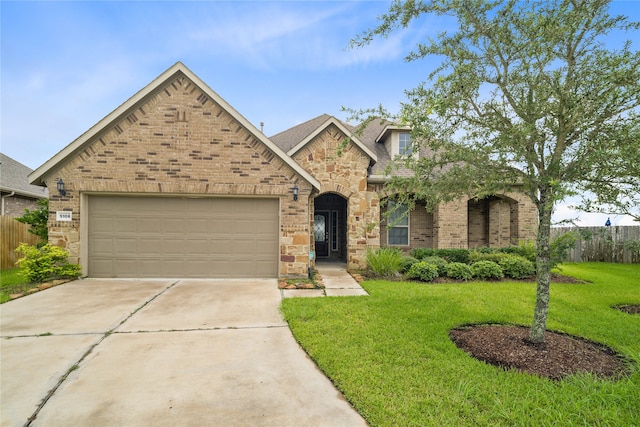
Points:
(12, 282)
(390, 354)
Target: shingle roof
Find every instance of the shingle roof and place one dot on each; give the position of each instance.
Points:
(13, 177)
(293, 136)
(289, 138)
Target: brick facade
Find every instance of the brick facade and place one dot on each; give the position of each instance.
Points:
(15, 205)
(176, 137)
(493, 222)
(181, 142)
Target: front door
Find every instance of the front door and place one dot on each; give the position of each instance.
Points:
(321, 233)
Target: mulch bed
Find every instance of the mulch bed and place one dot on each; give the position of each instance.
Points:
(629, 308)
(560, 355)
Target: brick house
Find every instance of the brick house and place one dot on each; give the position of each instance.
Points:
(176, 183)
(16, 194)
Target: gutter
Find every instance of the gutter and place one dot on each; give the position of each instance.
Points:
(377, 179)
(6, 196)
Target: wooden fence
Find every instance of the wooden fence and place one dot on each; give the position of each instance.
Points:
(12, 233)
(619, 244)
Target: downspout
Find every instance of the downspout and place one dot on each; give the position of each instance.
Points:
(4, 197)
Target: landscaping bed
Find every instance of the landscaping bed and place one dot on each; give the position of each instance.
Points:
(559, 356)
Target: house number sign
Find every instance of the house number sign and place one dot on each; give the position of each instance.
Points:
(63, 215)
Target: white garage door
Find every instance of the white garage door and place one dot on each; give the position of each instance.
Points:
(182, 237)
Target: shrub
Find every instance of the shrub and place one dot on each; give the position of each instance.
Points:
(517, 267)
(47, 262)
(406, 262)
(561, 245)
(632, 246)
(459, 270)
(440, 263)
(423, 271)
(494, 256)
(385, 262)
(454, 255)
(487, 270)
(524, 249)
(419, 253)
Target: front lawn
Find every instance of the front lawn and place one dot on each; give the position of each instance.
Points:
(390, 353)
(12, 282)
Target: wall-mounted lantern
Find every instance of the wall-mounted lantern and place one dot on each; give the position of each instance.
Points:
(60, 185)
(295, 192)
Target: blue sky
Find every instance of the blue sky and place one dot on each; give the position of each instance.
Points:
(66, 65)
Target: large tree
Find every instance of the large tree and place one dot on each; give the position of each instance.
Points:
(527, 92)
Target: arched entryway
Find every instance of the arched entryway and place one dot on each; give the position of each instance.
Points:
(493, 222)
(330, 227)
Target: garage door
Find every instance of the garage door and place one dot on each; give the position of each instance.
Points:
(182, 237)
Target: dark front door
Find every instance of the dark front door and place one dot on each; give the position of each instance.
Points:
(321, 233)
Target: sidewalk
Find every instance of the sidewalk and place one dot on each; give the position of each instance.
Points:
(337, 283)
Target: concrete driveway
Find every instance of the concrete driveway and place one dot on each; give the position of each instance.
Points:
(162, 353)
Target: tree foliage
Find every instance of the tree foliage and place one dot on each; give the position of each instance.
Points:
(527, 93)
(37, 220)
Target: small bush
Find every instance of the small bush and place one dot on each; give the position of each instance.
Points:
(385, 262)
(423, 271)
(406, 263)
(494, 256)
(524, 249)
(37, 220)
(459, 271)
(561, 246)
(419, 253)
(47, 262)
(517, 267)
(440, 263)
(485, 249)
(487, 270)
(454, 255)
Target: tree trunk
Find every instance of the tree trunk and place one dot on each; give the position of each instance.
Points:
(543, 266)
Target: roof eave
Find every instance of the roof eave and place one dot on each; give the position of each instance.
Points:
(389, 128)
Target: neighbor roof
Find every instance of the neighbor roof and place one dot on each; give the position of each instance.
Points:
(13, 178)
(37, 177)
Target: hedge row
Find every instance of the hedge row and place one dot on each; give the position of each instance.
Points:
(461, 264)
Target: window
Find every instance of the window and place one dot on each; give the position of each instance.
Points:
(404, 144)
(398, 228)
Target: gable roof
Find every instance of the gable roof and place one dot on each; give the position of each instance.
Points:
(289, 138)
(37, 177)
(13, 178)
(296, 138)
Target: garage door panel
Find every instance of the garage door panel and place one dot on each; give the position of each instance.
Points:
(125, 246)
(178, 237)
(125, 224)
(102, 245)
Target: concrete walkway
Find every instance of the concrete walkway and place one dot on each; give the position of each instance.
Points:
(159, 353)
(337, 283)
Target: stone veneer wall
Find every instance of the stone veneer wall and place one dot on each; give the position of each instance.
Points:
(345, 174)
(179, 141)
